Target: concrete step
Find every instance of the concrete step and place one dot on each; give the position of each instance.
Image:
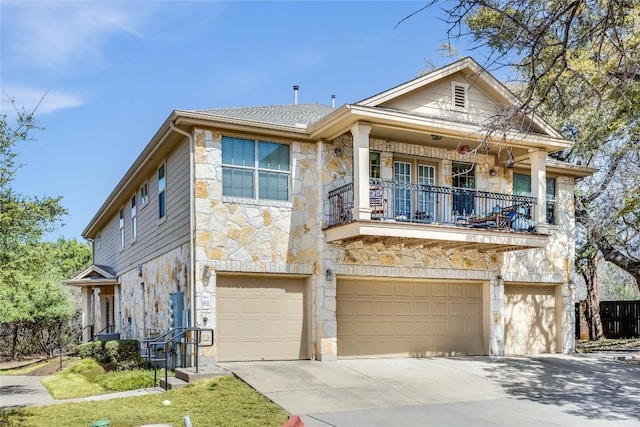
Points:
(190, 375)
(172, 383)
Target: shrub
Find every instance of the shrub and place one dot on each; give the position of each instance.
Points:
(93, 349)
(88, 368)
(126, 380)
(123, 354)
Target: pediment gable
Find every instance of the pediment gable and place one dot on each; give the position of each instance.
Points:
(460, 92)
(94, 275)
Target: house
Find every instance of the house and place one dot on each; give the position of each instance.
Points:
(400, 225)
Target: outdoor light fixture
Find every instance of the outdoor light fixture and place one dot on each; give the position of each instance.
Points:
(328, 275)
(206, 274)
(510, 160)
(500, 281)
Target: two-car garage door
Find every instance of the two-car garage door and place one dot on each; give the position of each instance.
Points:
(395, 318)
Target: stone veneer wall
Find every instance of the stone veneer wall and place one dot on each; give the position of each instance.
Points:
(551, 265)
(146, 299)
(271, 237)
(254, 236)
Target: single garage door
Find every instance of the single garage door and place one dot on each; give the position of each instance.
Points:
(260, 319)
(411, 319)
(529, 319)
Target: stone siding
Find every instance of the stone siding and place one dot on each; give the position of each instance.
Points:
(145, 299)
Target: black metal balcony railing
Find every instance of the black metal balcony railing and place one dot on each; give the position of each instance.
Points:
(429, 204)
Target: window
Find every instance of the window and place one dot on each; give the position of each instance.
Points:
(374, 165)
(522, 187)
(463, 177)
(144, 194)
(122, 228)
(162, 193)
(251, 167)
(402, 199)
(134, 219)
(459, 95)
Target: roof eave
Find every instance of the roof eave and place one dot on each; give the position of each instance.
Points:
(343, 119)
(219, 122)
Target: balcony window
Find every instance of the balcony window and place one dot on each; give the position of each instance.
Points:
(374, 164)
(522, 187)
(463, 177)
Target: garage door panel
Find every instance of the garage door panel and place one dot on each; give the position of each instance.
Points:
(473, 291)
(438, 290)
(530, 319)
(260, 319)
(456, 290)
(439, 308)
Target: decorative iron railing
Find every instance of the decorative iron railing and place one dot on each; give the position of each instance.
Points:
(429, 204)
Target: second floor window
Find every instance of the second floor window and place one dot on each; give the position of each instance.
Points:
(255, 169)
(374, 164)
(162, 192)
(134, 219)
(144, 194)
(121, 225)
(522, 187)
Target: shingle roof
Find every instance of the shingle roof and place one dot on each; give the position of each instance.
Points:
(293, 115)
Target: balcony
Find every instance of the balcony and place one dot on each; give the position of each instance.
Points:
(428, 215)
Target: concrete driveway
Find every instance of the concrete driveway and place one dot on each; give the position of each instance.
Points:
(554, 390)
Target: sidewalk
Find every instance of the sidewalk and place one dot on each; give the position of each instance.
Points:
(18, 391)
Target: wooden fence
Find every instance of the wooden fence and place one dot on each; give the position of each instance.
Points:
(620, 319)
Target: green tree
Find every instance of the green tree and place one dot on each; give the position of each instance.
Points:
(33, 302)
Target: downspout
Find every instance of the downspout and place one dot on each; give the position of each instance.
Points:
(192, 260)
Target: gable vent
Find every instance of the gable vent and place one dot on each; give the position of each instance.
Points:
(459, 95)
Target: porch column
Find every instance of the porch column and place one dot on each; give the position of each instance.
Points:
(361, 208)
(85, 304)
(539, 187)
(97, 311)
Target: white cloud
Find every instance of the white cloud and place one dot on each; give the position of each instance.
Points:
(29, 98)
(60, 34)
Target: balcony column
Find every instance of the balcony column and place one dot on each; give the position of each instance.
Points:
(361, 208)
(539, 187)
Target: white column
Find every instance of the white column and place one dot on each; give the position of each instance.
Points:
(86, 313)
(97, 311)
(361, 208)
(539, 187)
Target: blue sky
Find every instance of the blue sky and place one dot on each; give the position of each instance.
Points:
(113, 71)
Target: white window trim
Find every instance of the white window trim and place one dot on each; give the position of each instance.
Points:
(465, 86)
(122, 227)
(134, 237)
(256, 172)
(164, 218)
(145, 202)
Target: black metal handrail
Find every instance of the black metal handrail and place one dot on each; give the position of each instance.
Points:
(110, 329)
(430, 204)
(59, 347)
(174, 335)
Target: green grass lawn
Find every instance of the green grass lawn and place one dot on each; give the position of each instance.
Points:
(224, 401)
(86, 377)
